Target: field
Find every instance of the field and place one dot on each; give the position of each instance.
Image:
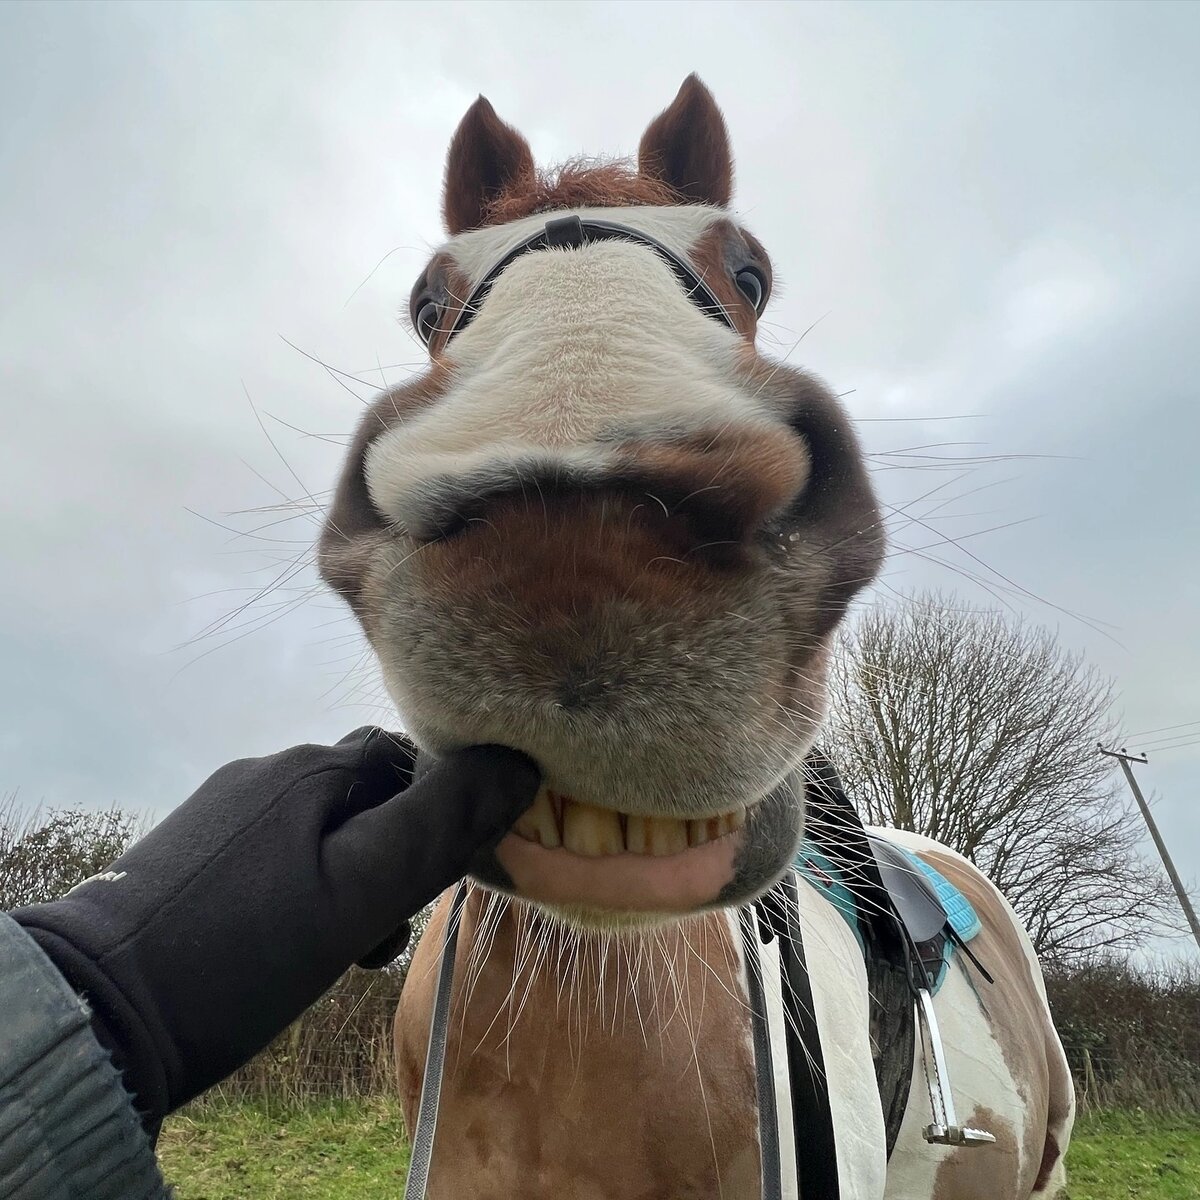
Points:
(345, 1150)
(1122, 1156)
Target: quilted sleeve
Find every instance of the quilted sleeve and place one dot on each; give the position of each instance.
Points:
(68, 1130)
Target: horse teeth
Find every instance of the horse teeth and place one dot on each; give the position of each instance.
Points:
(665, 836)
(538, 823)
(591, 831)
(711, 828)
(635, 834)
(553, 821)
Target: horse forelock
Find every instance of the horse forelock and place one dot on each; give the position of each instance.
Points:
(580, 183)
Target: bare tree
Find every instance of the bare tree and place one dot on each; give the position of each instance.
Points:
(980, 730)
(44, 853)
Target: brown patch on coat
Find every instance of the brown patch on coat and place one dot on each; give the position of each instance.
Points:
(555, 1094)
(1020, 1024)
(1061, 1112)
(721, 251)
(981, 1172)
(1050, 1156)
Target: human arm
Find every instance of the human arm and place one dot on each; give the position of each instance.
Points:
(244, 905)
(67, 1127)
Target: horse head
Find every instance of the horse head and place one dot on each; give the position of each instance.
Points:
(603, 528)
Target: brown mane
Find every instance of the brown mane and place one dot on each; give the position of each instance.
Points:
(579, 183)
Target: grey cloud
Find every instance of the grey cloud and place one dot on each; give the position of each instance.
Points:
(986, 209)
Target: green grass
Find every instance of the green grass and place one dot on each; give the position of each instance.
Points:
(345, 1150)
(1122, 1156)
(335, 1150)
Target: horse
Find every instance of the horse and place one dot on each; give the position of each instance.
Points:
(604, 529)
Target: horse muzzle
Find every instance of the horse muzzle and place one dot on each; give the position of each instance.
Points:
(597, 866)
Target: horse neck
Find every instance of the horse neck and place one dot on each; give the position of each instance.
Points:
(514, 948)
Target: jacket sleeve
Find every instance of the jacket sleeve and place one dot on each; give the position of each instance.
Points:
(68, 1129)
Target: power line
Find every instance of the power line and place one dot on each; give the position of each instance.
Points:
(1141, 733)
(1175, 743)
(1171, 737)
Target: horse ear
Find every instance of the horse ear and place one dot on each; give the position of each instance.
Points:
(485, 157)
(687, 146)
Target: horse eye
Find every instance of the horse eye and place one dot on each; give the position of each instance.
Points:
(429, 315)
(753, 286)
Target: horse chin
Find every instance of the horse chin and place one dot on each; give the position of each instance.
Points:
(622, 883)
(731, 860)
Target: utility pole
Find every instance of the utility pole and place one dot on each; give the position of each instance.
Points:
(1125, 759)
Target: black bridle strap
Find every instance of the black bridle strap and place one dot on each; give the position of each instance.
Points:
(812, 1117)
(764, 1070)
(435, 1058)
(573, 232)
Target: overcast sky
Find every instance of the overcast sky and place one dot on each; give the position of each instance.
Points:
(990, 211)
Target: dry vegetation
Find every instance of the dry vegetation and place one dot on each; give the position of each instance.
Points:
(45, 852)
(1132, 1036)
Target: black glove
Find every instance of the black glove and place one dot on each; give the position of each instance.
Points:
(236, 912)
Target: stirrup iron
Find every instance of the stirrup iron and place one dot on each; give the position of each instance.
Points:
(945, 1129)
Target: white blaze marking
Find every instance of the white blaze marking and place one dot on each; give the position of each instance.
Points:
(570, 349)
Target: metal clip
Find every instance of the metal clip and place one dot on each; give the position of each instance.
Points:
(945, 1129)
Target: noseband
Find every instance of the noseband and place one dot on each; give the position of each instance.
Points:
(570, 233)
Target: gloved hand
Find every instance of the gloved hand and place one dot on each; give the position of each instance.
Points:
(236, 912)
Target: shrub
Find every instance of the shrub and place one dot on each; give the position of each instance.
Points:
(1132, 1036)
(45, 853)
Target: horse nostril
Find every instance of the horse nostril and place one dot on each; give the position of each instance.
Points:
(452, 525)
(726, 485)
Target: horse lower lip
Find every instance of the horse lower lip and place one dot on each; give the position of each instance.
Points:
(626, 882)
(555, 821)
